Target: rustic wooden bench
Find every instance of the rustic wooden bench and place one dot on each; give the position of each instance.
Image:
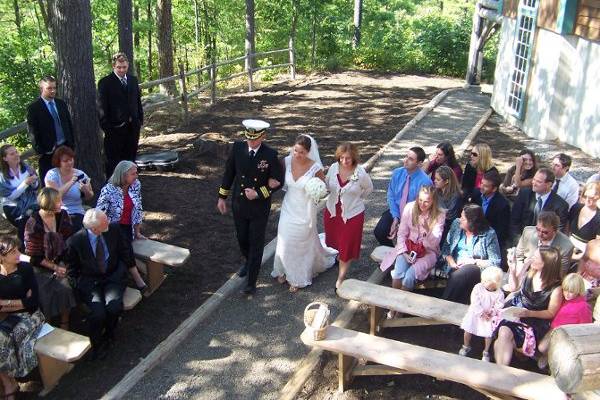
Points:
(432, 282)
(56, 353)
(156, 255)
(394, 357)
(426, 309)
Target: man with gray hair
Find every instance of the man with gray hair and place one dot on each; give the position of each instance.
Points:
(98, 258)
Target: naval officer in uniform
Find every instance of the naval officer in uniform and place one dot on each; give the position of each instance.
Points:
(252, 173)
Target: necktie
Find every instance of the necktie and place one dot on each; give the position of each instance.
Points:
(100, 255)
(60, 136)
(537, 209)
(555, 188)
(124, 82)
(404, 198)
(252, 153)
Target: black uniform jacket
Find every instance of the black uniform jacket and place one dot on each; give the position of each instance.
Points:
(243, 171)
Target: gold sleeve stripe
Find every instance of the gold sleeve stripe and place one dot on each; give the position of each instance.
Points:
(224, 192)
(264, 191)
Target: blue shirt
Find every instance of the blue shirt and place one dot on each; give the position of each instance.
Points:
(93, 240)
(72, 198)
(485, 202)
(394, 193)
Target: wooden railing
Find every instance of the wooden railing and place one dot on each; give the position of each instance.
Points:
(184, 94)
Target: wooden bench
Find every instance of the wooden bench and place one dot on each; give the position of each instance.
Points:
(131, 298)
(156, 256)
(428, 310)
(56, 353)
(432, 282)
(400, 358)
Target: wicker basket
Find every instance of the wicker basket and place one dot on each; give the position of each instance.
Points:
(309, 314)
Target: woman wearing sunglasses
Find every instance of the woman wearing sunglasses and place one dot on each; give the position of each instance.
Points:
(480, 163)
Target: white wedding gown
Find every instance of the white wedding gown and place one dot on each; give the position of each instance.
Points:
(299, 255)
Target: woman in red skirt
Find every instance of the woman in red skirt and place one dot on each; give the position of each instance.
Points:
(349, 184)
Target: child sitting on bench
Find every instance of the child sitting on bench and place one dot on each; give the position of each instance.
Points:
(487, 300)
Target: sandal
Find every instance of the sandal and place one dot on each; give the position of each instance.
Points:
(281, 279)
(294, 289)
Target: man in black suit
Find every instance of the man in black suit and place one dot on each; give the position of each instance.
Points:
(120, 113)
(48, 124)
(530, 202)
(98, 258)
(252, 173)
(495, 207)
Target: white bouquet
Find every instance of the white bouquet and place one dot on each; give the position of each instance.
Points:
(315, 189)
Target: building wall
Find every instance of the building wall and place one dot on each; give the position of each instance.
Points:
(564, 88)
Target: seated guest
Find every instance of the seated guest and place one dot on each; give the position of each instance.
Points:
(21, 320)
(519, 175)
(97, 258)
(480, 163)
(470, 247)
(589, 264)
(540, 295)
(419, 233)
(530, 202)
(121, 200)
(449, 195)
(594, 178)
(404, 186)
(45, 235)
(565, 185)
(495, 207)
(584, 219)
(73, 184)
(545, 233)
(18, 187)
(444, 155)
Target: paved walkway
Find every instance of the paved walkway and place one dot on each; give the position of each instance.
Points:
(250, 348)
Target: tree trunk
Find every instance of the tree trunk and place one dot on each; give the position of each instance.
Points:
(250, 34)
(72, 23)
(357, 23)
(17, 16)
(136, 40)
(313, 37)
(126, 31)
(149, 19)
(164, 20)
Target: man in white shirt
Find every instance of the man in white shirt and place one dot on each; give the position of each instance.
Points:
(564, 185)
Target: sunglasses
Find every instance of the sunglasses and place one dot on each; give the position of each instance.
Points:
(474, 154)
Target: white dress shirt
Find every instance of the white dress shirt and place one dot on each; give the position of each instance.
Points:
(568, 189)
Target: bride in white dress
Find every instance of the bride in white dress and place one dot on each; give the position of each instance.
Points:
(300, 255)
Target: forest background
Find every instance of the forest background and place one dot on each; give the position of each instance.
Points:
(408, 36)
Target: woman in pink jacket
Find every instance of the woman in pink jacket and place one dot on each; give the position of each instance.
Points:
(418, 245)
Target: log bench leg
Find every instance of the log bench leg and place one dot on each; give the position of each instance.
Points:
(345, 366)
(51, 370)
(374, 317)
(156, 276)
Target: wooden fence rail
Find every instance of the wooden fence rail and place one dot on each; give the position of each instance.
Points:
(184, 95)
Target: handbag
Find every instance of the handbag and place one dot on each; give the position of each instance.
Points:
(418, 248)
(8, 324)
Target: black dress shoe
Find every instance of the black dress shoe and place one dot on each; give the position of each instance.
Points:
(99, 352)
(243, 272)
(249, 290)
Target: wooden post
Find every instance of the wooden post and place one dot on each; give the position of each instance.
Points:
(345, 366)
(249, 70)
(374, 318)
(183, 90)
(213, 82)
(292, 59)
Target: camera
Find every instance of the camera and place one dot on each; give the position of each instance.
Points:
(412, 255)
(81, 177)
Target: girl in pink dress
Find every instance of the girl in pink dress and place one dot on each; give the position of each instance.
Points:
(487, 301)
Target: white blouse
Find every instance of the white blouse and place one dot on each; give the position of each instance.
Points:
(352, 195)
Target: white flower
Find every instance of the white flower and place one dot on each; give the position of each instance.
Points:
(315, 189)
(354, 176)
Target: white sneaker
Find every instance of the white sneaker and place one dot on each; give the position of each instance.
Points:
(464, 350)
(485, 356)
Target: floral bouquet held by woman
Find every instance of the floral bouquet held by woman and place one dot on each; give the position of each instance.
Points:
(316, 190)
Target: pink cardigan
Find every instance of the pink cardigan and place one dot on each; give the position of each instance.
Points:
(575, 311)
(419, 233)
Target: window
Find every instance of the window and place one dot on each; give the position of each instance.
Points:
(526, 24)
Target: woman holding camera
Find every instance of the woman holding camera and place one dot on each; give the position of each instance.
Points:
(73, 184)
(418, 244)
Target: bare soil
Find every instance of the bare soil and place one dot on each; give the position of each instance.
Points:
(180, 206)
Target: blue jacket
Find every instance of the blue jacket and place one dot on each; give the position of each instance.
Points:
(485, 245)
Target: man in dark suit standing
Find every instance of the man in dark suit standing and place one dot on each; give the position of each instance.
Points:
(252, 173)
(120, 113)
(530, 202)
(98, 258)
(495, 207)
(48, 124)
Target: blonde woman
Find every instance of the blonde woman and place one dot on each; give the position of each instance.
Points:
(480, 163)
(449, 195)
(349, 184)
(418, 245)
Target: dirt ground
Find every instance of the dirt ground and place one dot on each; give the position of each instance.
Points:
(180, 206)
